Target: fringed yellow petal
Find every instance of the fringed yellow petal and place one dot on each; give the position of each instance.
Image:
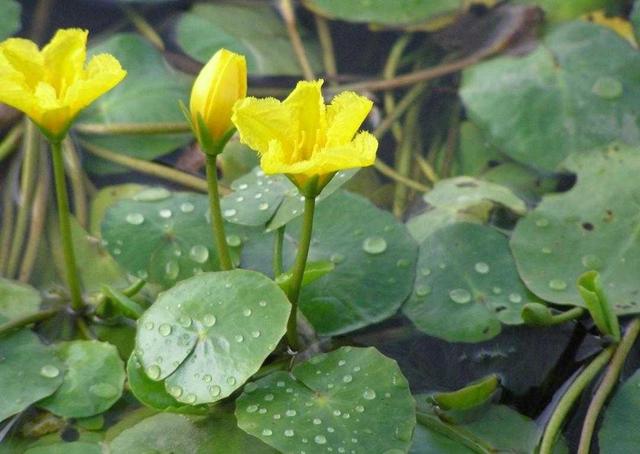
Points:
(21, 58)
(275, 160)
(361, 152)
(261, 121)
(64, 58)
(345, 116)
(309, 117)
(103, 73)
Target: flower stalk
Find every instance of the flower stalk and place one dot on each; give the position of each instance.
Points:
(62, 198)
(217, 223)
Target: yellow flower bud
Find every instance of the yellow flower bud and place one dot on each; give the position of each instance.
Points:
(221, 83)
(53, 85)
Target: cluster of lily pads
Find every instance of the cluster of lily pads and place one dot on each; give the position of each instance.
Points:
(496, 298)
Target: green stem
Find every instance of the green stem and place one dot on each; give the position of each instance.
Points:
(298, 270)
(609, 381)
(389, 71)
(403, 160)
(388, 171)
(65, 226)
(326, 43)
(8, 212)
(36, 226)
(10, 140)
(132, 128)
(28, 181)
(148, 168)
(289, 16)
(27, 320)
(217, 223)
(144, 27)
(277, 251)
(572, 394)
(74, 172)
(567, 316)
(400, 108)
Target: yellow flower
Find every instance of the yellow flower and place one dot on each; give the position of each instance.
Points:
(221, 83)
(621, 26)
(303, 138)
(53, 85)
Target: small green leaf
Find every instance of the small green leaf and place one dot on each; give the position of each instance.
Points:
(599, 307)
(126, 305)
(17, 300)
(536, 314)
(208, 27)
(470, 396)
(352, 398)
(207, 335)
(312, 272)
(29, 371)
(93, 380)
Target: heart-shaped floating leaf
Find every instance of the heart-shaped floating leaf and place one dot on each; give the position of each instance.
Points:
(17, 300)
(93, 380)
(260, 199)
(207, 335)
(164, 237)
(374, 256)
(462, 198)
(29, 371)
(582, 230)
(619, 433)
(152, 393)
(106, 197)
(398, 12)
(10, 19)
(575, 101)
(466, 285)
(208, 27)
(352, 400)
(149, 94)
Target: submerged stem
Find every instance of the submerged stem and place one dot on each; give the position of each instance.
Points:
(298, 270)
(27, 320)
(608, 383)
(572, 394)
(277, 252)
(65, 226)
(217, 223)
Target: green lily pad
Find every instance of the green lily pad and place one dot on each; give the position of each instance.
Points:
(207, 335)
(350, 400)
(466, 285)
(17, 300)
(149, 94)
(29, 371)
(475, 154)
(397, 12)
(164, 433)
(559, 10)
(164, 237)
(259, 199)
(10, 19)
(619, 434)
(75, 447)
(582, 230)
(93, 380)
(152, 393)
(373, 254)
(106, 197)
(462, 199)
(575, 102)
(208, 27)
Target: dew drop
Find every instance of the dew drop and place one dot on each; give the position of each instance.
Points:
(186, 207)
(557, 284)
(267, 432)
(255, 334)
(263, 206)
(542, 222)
(165, 213)
(317, 421)
(215, 390)
(190, 398)
(176, 391)
(246, 312)
(231, 381)
(481, 267)
(347, 379)
(402, 263)
(171, 269)
(230, 212)
(103, 390)
(209, 320)
(607, 88)
(360, 409)
(290, 413)
(243, 186)
(423, 290)
(153, 372)
(337, 258)
(425, 271)
(252, 409)
(269, 397)
(546, 250)
(460, 295)
(320, 439)
(199, 253)
(369, 394)
(164, 329)
(184, 321)
(135, 218)
(234, 240)
(149, 325)
(262, 303)
(289, 433)
(49, 371)
(239, 338)
(374, 245)
(515, 298)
